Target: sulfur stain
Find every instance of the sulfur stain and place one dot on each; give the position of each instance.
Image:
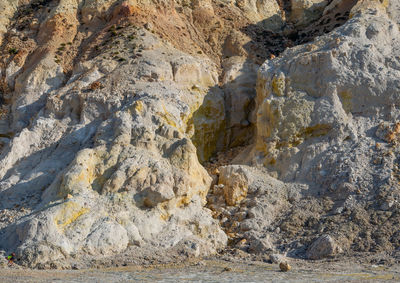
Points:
(138, 107)
(209, 128)
(183, 201)
(306, 133)
(345, 98)
(164, 214)
(168, 118)
(69, 213)
(278, 85)
(315, 131)
(385, 3)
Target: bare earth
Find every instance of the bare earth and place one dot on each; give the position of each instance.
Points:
(215, 271)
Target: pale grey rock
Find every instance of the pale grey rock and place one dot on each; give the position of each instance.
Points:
(111, 167)
(265, 11)
(326, 117)
(277, 258)
(108, 237)
(324, 246)
(318, 100)
(103, 156)
(305, 11)
(11, 72)
(30, 91)
(249, 225)
(257, 244)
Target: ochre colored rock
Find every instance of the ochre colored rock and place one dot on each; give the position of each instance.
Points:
(285, 267)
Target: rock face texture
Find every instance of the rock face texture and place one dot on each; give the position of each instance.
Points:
(100, 159)
(110, 109)
(327, 117)
(322, 247)
(113, 162)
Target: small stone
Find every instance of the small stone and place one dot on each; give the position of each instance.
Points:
(228, 268)
(95, 85)
(244, 123)
(241, 243)
(387, 205)
(339, 210)
(196, 87)
(259, 245)
(285, 267)
(68, 196)
(148, 26)
(216, 171)
(34, 24)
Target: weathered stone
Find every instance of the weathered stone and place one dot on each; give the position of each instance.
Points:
(103, 125)
(258, 245)
(239, 79)
(8, 8)
(285, 267)
(120, 168)
(324, 246)
(305, 98)
(267, 11)
(277, 258)
(235, 184)
(306, 11)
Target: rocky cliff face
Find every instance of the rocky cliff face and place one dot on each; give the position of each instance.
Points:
(327, 118)
(110, 109)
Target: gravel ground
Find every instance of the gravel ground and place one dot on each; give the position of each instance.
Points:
(214, 271)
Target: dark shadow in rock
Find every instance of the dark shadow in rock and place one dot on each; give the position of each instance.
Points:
(27, 195)
(37, 164)
(266, 42)
(224, 121)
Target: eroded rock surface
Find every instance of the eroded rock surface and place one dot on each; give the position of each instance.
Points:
(322, 247)
(327, 117)
(102, 158)
(110, 108)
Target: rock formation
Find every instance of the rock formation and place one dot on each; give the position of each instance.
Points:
(111, 110)
(327, 117)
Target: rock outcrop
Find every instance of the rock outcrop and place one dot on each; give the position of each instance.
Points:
(109, 110)
(322, 247)
(326, 116)
(102, 158)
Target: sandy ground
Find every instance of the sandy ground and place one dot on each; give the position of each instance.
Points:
(214, 271)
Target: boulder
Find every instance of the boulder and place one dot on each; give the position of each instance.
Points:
(322, 247)
(235, 184)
